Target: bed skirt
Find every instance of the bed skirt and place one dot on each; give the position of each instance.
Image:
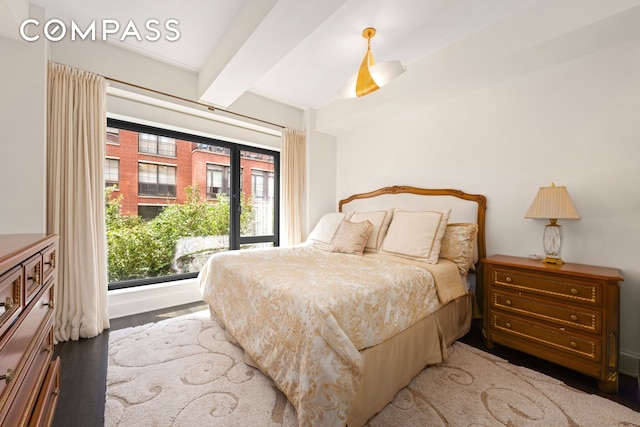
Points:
(390, 365)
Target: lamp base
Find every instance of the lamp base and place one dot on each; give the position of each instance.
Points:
(555, 261)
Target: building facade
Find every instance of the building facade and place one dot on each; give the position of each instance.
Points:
(151, 171)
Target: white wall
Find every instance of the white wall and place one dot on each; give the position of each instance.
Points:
(22, 146)
(574, 123)
(321, 174)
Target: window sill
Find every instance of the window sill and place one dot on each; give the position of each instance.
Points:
(141, 299)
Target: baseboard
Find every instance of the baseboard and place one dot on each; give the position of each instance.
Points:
(141, 299)
(629, 364)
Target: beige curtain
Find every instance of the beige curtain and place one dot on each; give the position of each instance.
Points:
(76, 201)
(294, 162)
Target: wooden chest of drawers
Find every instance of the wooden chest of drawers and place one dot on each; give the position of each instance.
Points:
(566, 314)
(29, 378)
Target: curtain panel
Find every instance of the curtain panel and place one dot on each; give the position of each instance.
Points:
(76, 130)
(294, 164)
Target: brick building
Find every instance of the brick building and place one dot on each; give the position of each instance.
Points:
(152, 171)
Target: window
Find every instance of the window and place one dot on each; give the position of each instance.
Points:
(171, 214)
(113, 135)
(213, 149)
(149, 212)
(154, 144)
(156, 180)
(111, 172)
(262, 184)
(218, 179)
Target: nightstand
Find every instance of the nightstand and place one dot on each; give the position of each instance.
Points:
(566, 314)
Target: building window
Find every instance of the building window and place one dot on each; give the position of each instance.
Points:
(113, 135)
(156, 180)
(154, 144)
(149, 212)
(218, 179)
(213, 149)
(262, 184)
(111, 172)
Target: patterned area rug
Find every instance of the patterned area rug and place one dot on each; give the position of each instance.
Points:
(184, 372)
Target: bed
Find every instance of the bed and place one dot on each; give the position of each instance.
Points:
(345, 320)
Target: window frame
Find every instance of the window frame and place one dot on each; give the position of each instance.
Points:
(109, 161)
(157, 183)
(152, 146)
(225, 185)
(236, 241)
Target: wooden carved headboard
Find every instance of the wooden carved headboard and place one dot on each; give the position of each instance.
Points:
(464, 207)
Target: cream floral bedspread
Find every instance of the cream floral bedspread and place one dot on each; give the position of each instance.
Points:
(302, 314)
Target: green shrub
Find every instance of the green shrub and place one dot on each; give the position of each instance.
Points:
(140, 249)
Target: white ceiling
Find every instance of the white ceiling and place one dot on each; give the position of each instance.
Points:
(294, 51)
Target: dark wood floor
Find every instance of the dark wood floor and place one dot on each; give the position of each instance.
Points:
(84, 370)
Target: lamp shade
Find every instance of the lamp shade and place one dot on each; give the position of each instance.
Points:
(381, 73)
(552, 202)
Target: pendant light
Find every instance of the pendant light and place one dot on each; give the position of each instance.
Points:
(371, 76)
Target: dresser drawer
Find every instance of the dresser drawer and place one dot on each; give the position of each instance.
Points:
(33, 277)
(35, 373)
(10, 297)
(48, 261)
(45, 406)
(576, 345)
(570, 290)
(574, 317)
(18, 351)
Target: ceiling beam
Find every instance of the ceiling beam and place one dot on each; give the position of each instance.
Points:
(229, 74)
(240, 30)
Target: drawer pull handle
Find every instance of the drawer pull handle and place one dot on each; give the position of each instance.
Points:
(574, 317)
(574, 291)
(8, 377)
(508, 302)
(508, 325)
(573, 344)
(507, 279)
(47, 349)
(49, 303)
(35, 278)
(7, 304)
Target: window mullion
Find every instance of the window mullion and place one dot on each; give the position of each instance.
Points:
(235, 200)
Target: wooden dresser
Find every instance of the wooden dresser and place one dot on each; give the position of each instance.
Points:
(29, 378)
(566, 314)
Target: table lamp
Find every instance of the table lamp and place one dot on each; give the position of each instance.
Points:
(552, 203)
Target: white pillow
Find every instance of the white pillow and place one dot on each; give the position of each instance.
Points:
(380, 221)
(322, 234)
(416, 234)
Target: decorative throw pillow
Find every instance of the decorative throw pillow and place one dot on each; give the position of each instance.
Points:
(351, 237)
(458, 243)
(380, 221)
(416, 234)
(322, 234)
